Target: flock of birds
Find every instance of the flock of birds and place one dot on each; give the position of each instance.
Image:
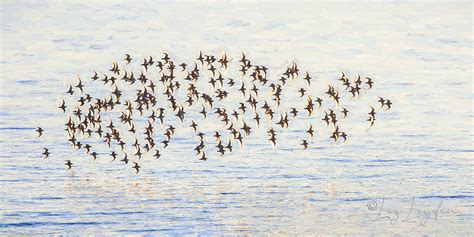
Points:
(125, 113)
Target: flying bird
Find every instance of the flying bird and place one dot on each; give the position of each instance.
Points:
(127, 58)
(136, 167)
(128, 103)
(304, 143)
(68, 164)
(46, 153)
(39, 130)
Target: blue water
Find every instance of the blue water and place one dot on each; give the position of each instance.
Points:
(419, 56)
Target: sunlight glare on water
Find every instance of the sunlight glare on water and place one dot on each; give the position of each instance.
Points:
(409, 174)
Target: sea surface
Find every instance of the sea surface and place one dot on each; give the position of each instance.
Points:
(410, 174)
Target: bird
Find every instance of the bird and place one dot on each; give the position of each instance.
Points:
(63, 106)
(301, 91)
(388, 103)
(304, 143)
(229, 145)
(372, 112)
(136, 167)
(369, 82)
(381, 101)
(87, 147)
(310, 130)
(201, 136)
(70, 91)
(294, 111)
(114, 155)
(200, 58)
(94, 155)
(307, 78)
(203, 157)
(335, 136)
(68, 164)
(79, 85)
(125, 159)
(358, 81)
(281, 122)
(46, 153)
(242, 89)
(127, 58)
(257, 118)
(157, 154)
(183, 66)
(343, 135)
(343, 77)
(217, 135)
(194, 125)
(344, 112)
(94, 77)
(326, 118)
(138, 153)
(128, 107)
(246, 128)
(273, 139)
(39, 130)
(309, 106)
(371, 120)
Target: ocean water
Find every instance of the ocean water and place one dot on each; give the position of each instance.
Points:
(410, 174)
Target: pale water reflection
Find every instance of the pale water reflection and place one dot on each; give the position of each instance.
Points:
(419, 55)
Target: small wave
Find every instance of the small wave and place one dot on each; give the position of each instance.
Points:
(448, 197)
